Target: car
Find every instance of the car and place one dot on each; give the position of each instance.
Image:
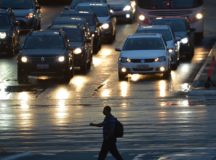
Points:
(183, 33)
(106, 20)
(143, 54)
(169, 38)
(93, 23)
(27, 13)
(123, 10)
(82, 47)
(75, 2)
(9, 36)
(45, 54)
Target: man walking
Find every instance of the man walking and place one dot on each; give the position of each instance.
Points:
(109, 139)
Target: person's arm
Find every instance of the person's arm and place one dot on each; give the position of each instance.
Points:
(96, 124)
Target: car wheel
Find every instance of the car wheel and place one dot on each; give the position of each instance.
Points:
(122, 77)
(67, 77)
(21, 77)
(84, 68)
(166, 75)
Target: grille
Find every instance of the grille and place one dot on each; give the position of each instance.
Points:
(143, 69)
(142, 60)
(171, 13)
(45, 59)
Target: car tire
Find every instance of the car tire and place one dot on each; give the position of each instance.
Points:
(66, 77)
(21, 77)
(122, 77)
(166, 75)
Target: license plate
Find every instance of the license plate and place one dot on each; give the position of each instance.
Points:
(142, 66)
(42, 66)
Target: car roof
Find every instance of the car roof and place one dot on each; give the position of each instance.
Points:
(145, 35)
(45, 33)
(142, 27)
(93, 4)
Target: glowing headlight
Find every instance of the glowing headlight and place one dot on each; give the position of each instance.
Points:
(170, 50)
(111, 11)
(24, 59)
(184, 40)
(162, 69)
(77, 51)
(127, 8)
(61, 58)
(142, 17)
(133, 4)
(160, 59)
(3, 35)
(199, 16)
(30, 15)
(105, 26)
(123, 70)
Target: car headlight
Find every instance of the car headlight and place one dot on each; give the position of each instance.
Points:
(124, 60)
(199, 16)
(171, 50)
(29, 15)
(24, 59)
(160, 59)
(142, 17)
(77, 51)
(61, 59)
(3, 35)
(105, 26)
(127, 8)
(185, 40)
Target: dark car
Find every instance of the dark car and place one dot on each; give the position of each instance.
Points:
(9, 36)
(93, 23)
(106, 20)
(75, 2)
(82, 47)
(27, 13)
(183, 33)
(45, 54)
(123, 10)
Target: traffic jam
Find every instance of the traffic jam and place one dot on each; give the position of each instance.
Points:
(166, 35)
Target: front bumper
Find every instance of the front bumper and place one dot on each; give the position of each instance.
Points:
(143, 68)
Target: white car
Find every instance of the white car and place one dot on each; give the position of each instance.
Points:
(144, 54)
(169, 37)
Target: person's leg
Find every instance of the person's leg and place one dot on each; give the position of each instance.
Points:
(103, 151)
(114, 151)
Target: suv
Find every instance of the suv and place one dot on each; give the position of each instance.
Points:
(169, 38)
(45, 54)
(80, 43)
(9, 37)
(144, 54)
(27, 13)
(93, 23)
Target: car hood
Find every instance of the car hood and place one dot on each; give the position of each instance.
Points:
(180, 34)
(141, 54)
(42, 52)
(22, 12)
(104, 19)
(170, 44)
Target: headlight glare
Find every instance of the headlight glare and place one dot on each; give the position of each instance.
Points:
(61, 59)
(29, 15)
(105, 26)
(125, 60)
(142, 17)
(184, 40)
(199, 16)
(171, 50)
(3, 35)
(160, 59)
(77, 51)
(24, 59)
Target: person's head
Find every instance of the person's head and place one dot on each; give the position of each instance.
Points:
(107, 110)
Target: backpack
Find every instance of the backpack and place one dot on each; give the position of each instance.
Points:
(119, 129)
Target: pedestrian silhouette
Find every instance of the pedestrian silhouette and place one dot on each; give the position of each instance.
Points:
(109, 138)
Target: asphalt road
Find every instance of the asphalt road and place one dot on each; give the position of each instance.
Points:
(51, 118)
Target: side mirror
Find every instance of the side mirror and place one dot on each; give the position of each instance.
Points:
(118, 49)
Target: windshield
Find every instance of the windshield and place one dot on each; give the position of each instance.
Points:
(5, 20)
(44, 42)
(167, 36)
(16, 4)
(143, 44)
(100, 11)
(169, 4)
(177, 25)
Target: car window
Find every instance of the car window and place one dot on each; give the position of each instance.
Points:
(167, 35)
(44, 42)
(16, 4)
(143, 44)
(5, 20)
(100, 11)
(74, 35)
